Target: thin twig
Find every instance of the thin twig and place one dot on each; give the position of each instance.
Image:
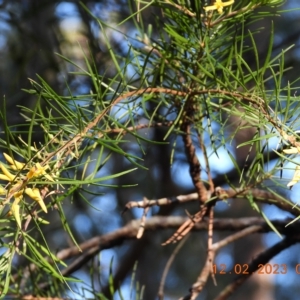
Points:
(187, 226)
(143, 220)
(161, 201)
(167, 268)
(210, 251)
(203, 277)
(259, 196)
(182, 9)
(232, 14)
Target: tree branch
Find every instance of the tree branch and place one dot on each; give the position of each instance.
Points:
(261, 259)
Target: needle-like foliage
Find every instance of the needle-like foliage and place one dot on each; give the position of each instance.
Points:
(187, 73)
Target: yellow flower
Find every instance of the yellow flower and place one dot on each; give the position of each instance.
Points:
(35, 195)
(15, 210)
(4, 177)
(19, 187)
(36, 171)
(218, 5)
(292, 150)
(15, 207)
(6, 174)
(15, 165)
(296, 177)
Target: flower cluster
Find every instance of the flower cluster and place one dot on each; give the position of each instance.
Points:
(218, 5)
(19, 184)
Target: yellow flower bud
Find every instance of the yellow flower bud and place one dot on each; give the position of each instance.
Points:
(4, 177)
(35, 195)
(296, 177)
(15, 210)
(292, 150)
(10, 176)
(15, 164)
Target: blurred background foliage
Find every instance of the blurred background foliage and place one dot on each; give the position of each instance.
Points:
(31, 32)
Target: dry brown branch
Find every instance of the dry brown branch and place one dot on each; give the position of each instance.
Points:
(190, 151)
(155, 223)
(194, 169)
(92, 247)
(210, 251)
(194, 163)
(161, 201)
(259, 196)
(263, 258)
(130, 230)
(223, 194)
(143, 220)
(187, 226)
